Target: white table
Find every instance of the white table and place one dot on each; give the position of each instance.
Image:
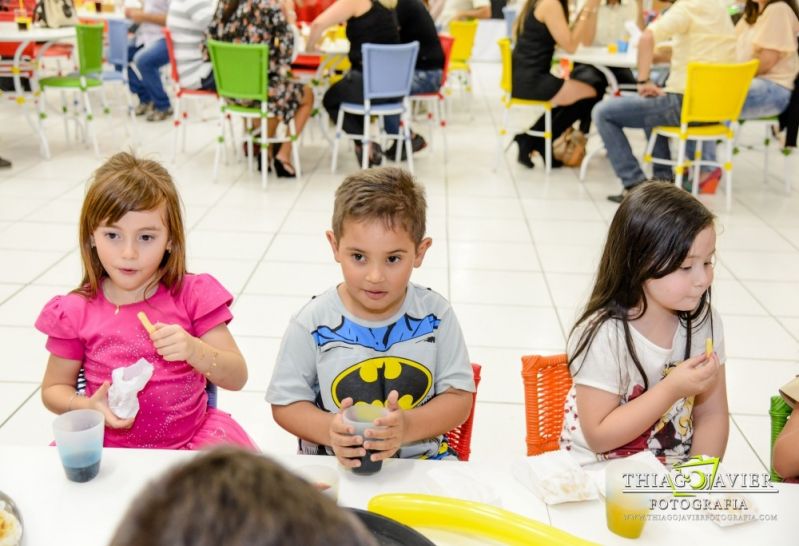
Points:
(46, 36)
(86, 15)
(57, 511)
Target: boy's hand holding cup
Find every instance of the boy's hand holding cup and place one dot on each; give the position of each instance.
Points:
(360, 424)
(386, 438)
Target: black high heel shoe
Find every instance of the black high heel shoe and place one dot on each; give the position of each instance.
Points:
(282, 169)
(525, 144)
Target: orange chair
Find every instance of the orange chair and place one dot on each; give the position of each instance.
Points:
(546, 382)
(437, 110)
(460, 437)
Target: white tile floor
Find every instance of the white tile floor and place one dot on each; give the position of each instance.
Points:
(515, 252)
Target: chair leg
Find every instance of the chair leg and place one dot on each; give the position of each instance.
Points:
(697, 167)
(650, 146)
(176, 123)
(336, 139)
(295, 148)
(407, 137)
(680, 163)
(90, 133)
(64, 113)
(728, 174)
(365, 141)
(766, 146)
(548, 139)
(220, 141)
(264, 148)
(500, 144)
(43, 144)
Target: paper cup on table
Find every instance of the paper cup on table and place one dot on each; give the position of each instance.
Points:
(361, 417)
(79, 438)
(626, 502)
(323, 478)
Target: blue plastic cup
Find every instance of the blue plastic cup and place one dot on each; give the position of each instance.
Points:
(622, 45)
(79, 438)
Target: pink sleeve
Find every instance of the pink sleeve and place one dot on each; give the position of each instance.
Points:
(207, 302)
(58, 320)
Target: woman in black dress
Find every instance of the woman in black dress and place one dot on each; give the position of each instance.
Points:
(541, 25)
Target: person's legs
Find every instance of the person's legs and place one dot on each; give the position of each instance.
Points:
(765, 98)
(300, 119)
(149, 61)
(208, 83)
(612, 116)
(347, 89)
(424, 81)
(135, 83)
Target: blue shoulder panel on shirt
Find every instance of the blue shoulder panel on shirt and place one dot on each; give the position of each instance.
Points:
(379, 339)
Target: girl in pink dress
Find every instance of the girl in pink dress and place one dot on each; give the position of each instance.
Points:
(133, 251)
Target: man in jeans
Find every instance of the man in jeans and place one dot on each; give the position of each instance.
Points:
(149, 53)
(699, 30)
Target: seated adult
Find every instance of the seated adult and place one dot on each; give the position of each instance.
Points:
(416, 24)
(539, 26)
(700, 30)
(444, 11)
(767, 32)
(265, 21)
(148, 53)
(368, 21)
(187, 21)
(233, 497)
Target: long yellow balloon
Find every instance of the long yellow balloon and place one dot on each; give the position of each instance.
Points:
(473, 517)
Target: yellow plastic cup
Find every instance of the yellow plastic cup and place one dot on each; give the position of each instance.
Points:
(626, 509)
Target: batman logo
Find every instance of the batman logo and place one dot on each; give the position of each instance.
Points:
(370, 381)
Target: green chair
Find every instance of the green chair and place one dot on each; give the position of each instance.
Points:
(90, 65)
(241, 72)
(780, 411)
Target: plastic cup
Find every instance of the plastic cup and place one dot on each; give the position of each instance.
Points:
(361, 417)
(79, 438)
(622, 45)
(323, 478)
(22, 19)
(613, 47)
(626, 507)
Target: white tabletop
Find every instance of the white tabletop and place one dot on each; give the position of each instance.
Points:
(601, 56)
(57, 511)
(10, 33)
(101, 16)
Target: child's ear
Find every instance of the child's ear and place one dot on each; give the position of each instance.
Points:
(421, 249)
(331, 238)
(91, 241)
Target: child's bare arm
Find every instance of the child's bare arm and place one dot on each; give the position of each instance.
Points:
(215, 354)
(711, 419)
(786, 448)
(59, 396)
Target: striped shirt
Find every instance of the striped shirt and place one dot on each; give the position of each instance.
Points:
(188, 20)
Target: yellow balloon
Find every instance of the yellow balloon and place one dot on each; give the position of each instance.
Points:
(472, 517)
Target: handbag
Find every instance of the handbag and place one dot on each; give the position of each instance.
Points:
(55, 13)
(569, 147)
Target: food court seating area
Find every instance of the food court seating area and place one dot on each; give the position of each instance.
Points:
(514, 250)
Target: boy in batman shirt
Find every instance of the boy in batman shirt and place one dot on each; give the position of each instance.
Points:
(376, 338)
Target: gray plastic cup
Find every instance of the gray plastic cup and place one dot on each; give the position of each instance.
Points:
(361, 417)
(79, 438)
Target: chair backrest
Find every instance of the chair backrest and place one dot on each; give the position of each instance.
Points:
(779, 411)
(463, 32)
(509, 13)
(505, 80)
(446, 46)
(715, 92)
(546, 383)
(170, 49)
(460, 437)
(240, 70)
(118, 42)
(388, 69)
(90, 48)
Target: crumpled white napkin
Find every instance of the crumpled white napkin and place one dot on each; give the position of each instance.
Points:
(123, 396)
(448, 481)
(555, 477)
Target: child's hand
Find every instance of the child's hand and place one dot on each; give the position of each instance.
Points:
(387, 439)
(348, 448)
(694, 376)
(173, 343)
(99, 401)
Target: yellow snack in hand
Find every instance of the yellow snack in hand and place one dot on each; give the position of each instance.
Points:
(709, 347)
(145, 322)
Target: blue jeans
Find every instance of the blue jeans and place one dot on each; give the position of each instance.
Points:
(611, 116)
(148, 60)
(764, 99)
(424, 81)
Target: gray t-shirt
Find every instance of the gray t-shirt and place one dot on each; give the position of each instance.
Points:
(327, 355)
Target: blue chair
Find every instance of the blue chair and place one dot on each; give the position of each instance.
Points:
(117, 55)
(510, 13)
(387, 74)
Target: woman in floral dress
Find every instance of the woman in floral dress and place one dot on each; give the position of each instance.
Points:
(267, 21)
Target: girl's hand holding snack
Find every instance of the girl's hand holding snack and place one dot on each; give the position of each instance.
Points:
(99, 401)
(175, 344)
(386, 440)
(693, 376)
(348, 448)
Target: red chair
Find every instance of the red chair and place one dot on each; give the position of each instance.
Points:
(460, 437)
(436, 112)
(547, 381)
(181, 116)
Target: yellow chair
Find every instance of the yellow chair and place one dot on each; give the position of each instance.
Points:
(463, 33)
(508, 102)
(714, 96)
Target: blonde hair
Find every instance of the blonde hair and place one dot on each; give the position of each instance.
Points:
(123, 184)
(389, 194)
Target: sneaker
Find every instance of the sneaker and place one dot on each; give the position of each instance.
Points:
(159, 115)
(624, 193)
(143, 109)
(4, 163)
(417, 143)
(375, 154)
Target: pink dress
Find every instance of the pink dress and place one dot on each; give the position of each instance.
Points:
(174, 412)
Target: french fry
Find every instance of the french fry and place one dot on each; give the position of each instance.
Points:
(145, 322)
(709, 347)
